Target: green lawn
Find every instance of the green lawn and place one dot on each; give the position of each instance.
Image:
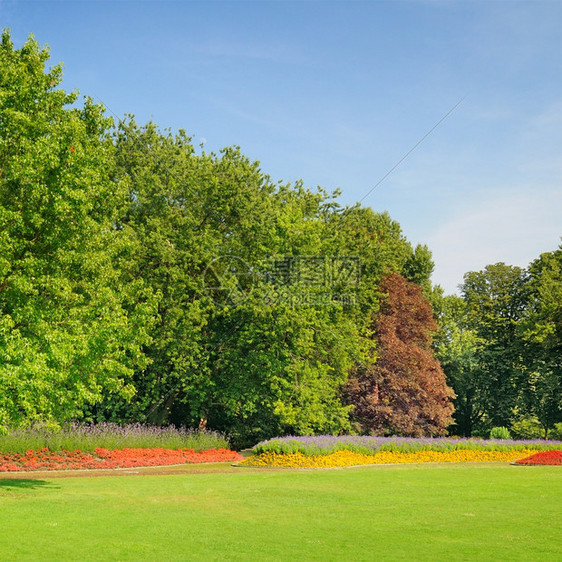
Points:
(409, 512)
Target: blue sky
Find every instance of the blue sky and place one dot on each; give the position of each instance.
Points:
(336, 93)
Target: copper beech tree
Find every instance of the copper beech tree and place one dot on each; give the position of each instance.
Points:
(404, 391)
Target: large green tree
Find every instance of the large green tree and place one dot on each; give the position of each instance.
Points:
(542, 332)
(237, 345)
(496, 300)
(67, 331)
(499, 345)
(186, 210)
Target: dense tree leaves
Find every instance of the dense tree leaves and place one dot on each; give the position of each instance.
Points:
(542, 332)
(457, 347)
(404, 391)
(278, 370)
(237, 346)
(263, 292)
(142, 279)
(545, 311)
(500, 346)
(419, 267)
(186, 211)
(67, 336)
(496, 300)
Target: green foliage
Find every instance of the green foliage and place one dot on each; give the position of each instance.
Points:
(528, 428)
(419, 267)
(500, 346)
(545, 318)
(500, 433)
(457, 346)
(138, 283)
(246, 358)
(556, 432)
(69, 331)
(542, 333)
(496, 300)
(108, 240)
(253, 354)
(282, 371)
(480, 346)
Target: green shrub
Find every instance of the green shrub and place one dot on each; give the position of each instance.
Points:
(500, 433)
(528, 428)
(556, 432)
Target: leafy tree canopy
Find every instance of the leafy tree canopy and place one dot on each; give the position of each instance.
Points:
(67, 333)
(404, 390)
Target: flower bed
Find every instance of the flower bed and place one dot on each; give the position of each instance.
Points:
(543, 458)
(87, 437)
(44, 459)
(366, 445)
(350, 450)
(350, 458)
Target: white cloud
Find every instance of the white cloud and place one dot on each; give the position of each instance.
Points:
(514, 228)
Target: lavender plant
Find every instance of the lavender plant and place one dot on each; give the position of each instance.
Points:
(87, 437)
(369, 445)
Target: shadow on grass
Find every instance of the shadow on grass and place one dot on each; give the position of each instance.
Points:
(24, 484)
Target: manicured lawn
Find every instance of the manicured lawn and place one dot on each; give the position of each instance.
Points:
(409, 512)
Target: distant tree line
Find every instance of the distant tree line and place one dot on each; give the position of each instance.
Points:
(144, 280)
(500, 345)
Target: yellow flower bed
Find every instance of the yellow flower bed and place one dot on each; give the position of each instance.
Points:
(349, 458)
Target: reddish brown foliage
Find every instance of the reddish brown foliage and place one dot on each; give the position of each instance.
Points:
(405, 391)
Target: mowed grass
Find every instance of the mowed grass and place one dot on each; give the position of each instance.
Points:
(409, 512)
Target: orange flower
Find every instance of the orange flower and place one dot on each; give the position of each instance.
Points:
(104, 458)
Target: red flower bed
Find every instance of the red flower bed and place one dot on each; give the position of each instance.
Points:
(544, 457)
(104, 458)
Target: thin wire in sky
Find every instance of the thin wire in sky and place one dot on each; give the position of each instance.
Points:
(411, 150)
